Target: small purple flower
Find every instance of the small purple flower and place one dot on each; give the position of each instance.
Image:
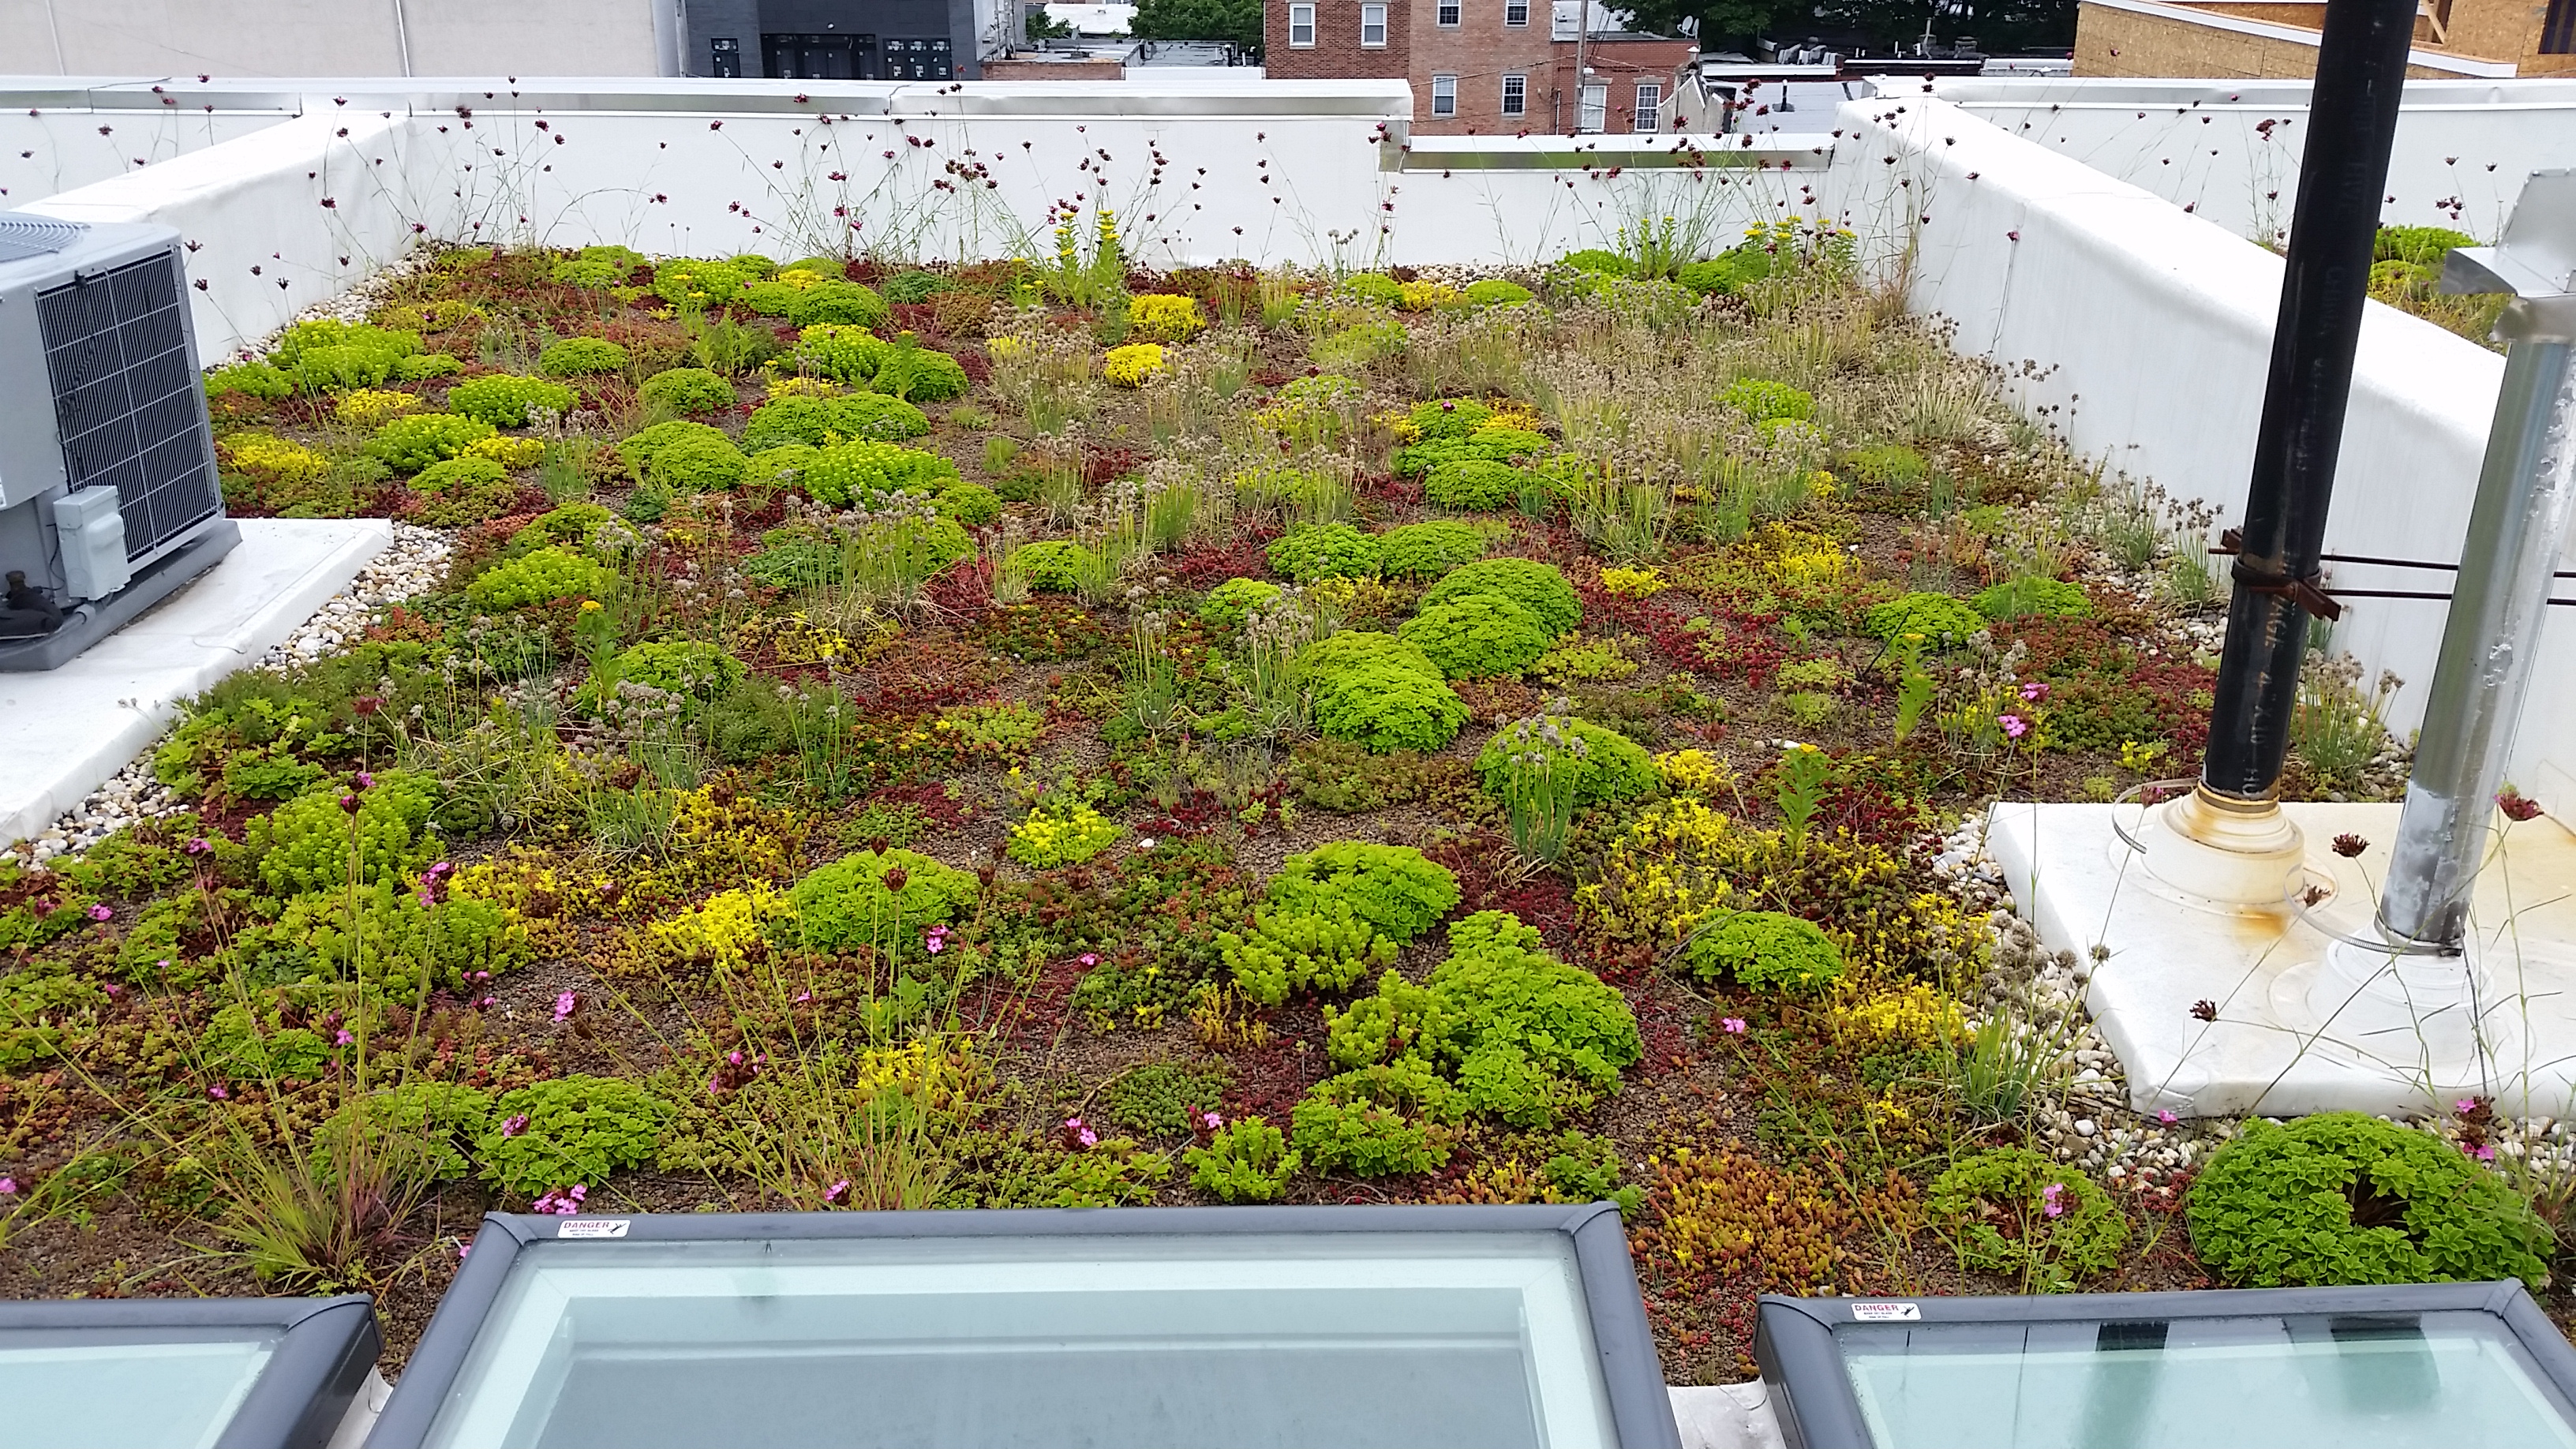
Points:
(936, 941)
(8, 1186)
(2167, 1117)
(2052, 1199)
(514, 1124)
(198, 846)
(804, 996)
(342, 1038)
(561, 1202)
(365, 781)
(432, 881)
(102, 913)
(1088, 959)
(2014, 725)
(2465, 1104)
(114, 990)
(1080, 1133)
(1211, 1120)
(836, 1191)
(2485, 1152)
(219, 1092)
(1733, 1025)
(462, 1249)
(488, 1002)
(349, 803)
(565, 1001)
(2035, 691)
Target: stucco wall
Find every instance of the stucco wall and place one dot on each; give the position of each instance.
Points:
(333, 37)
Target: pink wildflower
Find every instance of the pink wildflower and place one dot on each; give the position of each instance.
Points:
(1079, 1133)
(342, 1037)
(198, 846)
(102, 913)
(2052, 1199)
(1211, 1120)
(2465, 1104)
(2034, 691)
(565, 1001)
(515, 1124)
(366, 781)
(489, 1002)
(561, 1202)
(1733, 1025)
(804, 996)
(936, 941)
(835, 1192)
(2167, 1117)
(462, 1249)
(2014, 725)
(8, 1186)
(1088, 959)
(219, 1092)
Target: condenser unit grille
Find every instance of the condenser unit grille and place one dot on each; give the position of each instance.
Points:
(129, 407)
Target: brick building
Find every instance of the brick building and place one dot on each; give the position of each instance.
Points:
(1488, 67)
(2277, 39)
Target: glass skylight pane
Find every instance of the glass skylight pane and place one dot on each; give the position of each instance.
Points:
(2396, 1382)
(1123, 1343)
(123, 1395)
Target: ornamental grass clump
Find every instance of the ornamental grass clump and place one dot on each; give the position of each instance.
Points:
(2345, 1198)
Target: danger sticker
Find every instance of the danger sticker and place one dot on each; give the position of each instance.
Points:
(616, 1228)
(1863, 1312)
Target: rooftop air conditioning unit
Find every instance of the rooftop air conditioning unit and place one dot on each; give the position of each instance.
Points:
(108, 496)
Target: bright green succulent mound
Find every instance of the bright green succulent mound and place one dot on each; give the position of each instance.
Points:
(1477, 636)
(2031, 595)
(913, 372)
(1496, 292)
(1766, 401)
(862, 472)
(581, 356)
(2345, 1198)
(1765, 951)
(1476, 483)
(409, 444)
(1380, 692)
(1537, 587)
(1332, 915)
(1607, 765)
(681, 666)
(688, 390)
(569, 1132)
(1428, 550)
(884, 900)
(2012, 1210)
(839, 352)
(1337, 550)
(697, 463)
(506, 401)
(1230, 603)
(1056, 565)
(1392, 887)
(541, 576)
(637, 450)
(822, 421)
(1944, 622)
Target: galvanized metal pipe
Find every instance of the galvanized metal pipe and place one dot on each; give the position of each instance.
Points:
(2352, 126)
(2518, 525)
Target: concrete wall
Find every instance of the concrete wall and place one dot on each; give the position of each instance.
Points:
(2230, 151)
(2277, 39)
(58, 135)
(337, 37)
(2144, 334)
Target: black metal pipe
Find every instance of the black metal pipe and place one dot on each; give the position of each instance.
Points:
(2352, 125)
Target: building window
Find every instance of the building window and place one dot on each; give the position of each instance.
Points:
(1373, 27)
(1449, 14)
(1516, 12)
(1301, 27)
(1594, 113)
(1650, 107)
(1516, 95)
(724, 57)
(1444, 95)
(2558, 29)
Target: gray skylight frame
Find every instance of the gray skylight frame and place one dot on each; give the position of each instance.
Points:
(1817, 1407)
(1632, 1376)
(325, 1348)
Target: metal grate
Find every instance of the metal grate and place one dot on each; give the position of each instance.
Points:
(129, 407)
(22, 237)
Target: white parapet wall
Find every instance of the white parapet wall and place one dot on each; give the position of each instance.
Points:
(2143, 334)
(2229, 150)
(60, 133)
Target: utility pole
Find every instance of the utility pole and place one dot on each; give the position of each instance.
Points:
(1582, 34)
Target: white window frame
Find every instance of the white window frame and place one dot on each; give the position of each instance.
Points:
(1516, 12)
(1372, 17)
(1650, 107)
(1449, 13)
(1444, 95)
(1515, 95)
(1592, 108)
(1301, 18)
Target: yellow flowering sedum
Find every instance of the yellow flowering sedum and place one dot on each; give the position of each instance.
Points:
(507, 451)
(275, 460)
(1425, 296)
(1628, 583)
(1163, 317)
(1696, 773)
(370, 408)
(1912, 1014)
(1133, 365)
(721, 932)
(1048, 839)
